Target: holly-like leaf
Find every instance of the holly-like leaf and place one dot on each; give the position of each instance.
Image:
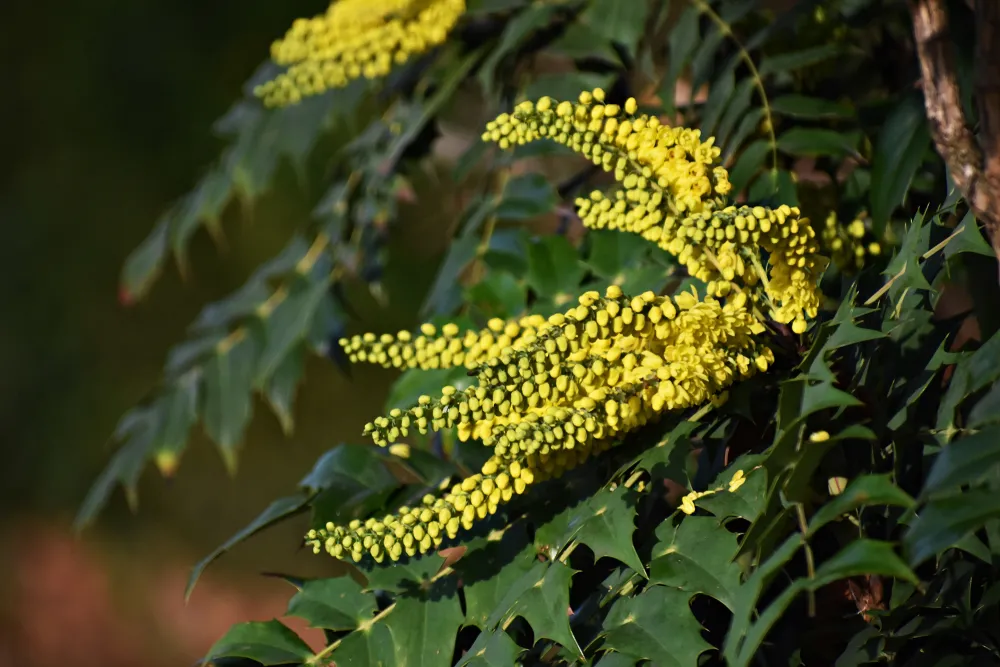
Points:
(621, 22)
(526, 196)
(541, 596)
(368, 646)
(655, 625)
(338, 603)
(554, 271)
(288, 324)
(423, 627)
(973, 373)
(864, 491)
(802, 106)
(696, 556)
(944, 522)
(229, 377)
(606, 524)
(967, 460)
(490, 568)
(814, 142)
(267, 642)
(491, 649)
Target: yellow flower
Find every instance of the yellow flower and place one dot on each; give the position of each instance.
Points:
(737, 481)
(673, 192)
(819, 436)
(400, 450)
(355, 39)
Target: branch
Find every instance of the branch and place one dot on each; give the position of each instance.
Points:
(974, 165)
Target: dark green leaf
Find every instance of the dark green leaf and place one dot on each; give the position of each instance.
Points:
(526, 196)
(683, 40)
(229, 377)
(144, 263)
(944, 522)
(530, 19)
(370, 646)
(333, 604)
(814, 142)
(582, 41)
(987, 410)
(499, 294)
(282, 386)
(288, 324)
(554, 270)
(621, 22)
(606, 524)
(862, 557)
(973, 373)
(802, 106)
(860, 492)
(967, 460)
(178, 411)
(489, 569)
(423, 628)
(277, 511)
(445, 294)
(696, 556)
(748, 164)
(902, 143)
(491, 649)
(656, 625)
(746, 502)
(736, 108)
(541, 596)
(267, 642)
(968, 239)
(795, 60)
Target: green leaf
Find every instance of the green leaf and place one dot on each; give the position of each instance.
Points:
(145, 262)
(229, 377)
(282, 385)
(288, 324)
(530, 19)
(204, 205)
(417, 382)
(683, 41)
(987, 410)
(541, 596)
(404, 577)
(748, 165)
(561, 86)
(655, 625)
(499, 294)
(621, 22)
(746, 502)
(267, 642)
(526, 196)
(944, 522)
(862, 491)
(606, 525)
(578, 42)
(968, 238)
(973, 373)
(796, 60)
(178, 411)
(276, 512)
(424, 627)
(615, 659)
(490, 568)
(554, 271)
(814, 142)
(369, 646)
(613, 253)
(696, 556)
(491, 649)
(967, 460)
(445, 294)
(803, 106)
(333, 604)
(902, 143)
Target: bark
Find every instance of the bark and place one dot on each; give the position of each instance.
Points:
(974, 162)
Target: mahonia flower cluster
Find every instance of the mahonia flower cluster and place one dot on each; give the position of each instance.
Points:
(354, 39)
(675, 193)
(549, 393)
(847, 245)
(688, 502)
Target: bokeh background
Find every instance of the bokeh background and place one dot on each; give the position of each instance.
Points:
(106, 111)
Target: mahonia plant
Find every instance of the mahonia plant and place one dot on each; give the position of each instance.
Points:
(551, 392)
(849, 246)
(355, 39)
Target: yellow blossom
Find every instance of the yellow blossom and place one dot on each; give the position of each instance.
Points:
(819, 436)
(737, 481)
(355, 39)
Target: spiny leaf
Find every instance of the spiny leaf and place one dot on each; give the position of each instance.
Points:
(288, 324)
(861, 492)
(541, 596)
(369, 646)
(655, 625)
(267, 642)
(283, 384)
(554, 271)
(796, 60)
(229, 377)
(423, 627)
(606, 524)
(967, 460)
(814, 142)
(338, 603)
(144, 263)
(491, 649)
(976, 371)
(802, 106)
(696, 557)
(943, 522)
(526, 196)
(178, 412)
(490, 568)
(621, 22)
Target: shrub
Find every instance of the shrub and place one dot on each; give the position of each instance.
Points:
(699, 421)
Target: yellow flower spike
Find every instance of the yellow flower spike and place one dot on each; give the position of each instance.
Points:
(354, 39)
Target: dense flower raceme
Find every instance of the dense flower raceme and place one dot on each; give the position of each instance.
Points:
(354, 39)
(549, 393)
(674, 193)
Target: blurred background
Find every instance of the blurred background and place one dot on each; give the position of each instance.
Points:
(106, 114)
